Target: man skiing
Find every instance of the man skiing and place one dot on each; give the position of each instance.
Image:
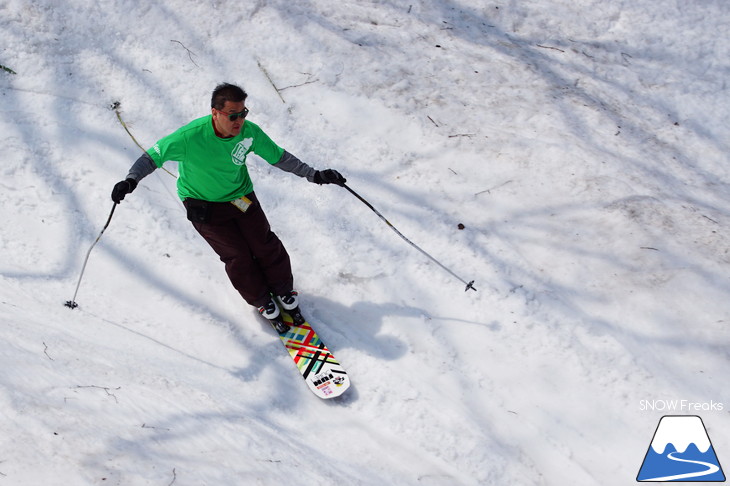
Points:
(217, 192)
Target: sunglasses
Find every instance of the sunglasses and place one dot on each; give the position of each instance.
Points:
(235, 116)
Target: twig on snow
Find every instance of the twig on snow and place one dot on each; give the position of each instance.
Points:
(489, 191)
(145, 426)
(549, 47)
(309, 81)
(45, 351)
(106, 389)
(116, 106)
(279, 90)
(266, 73)
(190, 53)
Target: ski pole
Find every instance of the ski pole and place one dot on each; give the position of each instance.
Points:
(469, 285)
(72, 303)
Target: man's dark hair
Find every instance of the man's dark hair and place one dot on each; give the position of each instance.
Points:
(226, 92)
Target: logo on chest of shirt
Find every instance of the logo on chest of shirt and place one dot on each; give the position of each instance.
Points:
(238, 154)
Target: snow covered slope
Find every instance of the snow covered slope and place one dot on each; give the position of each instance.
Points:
(582, 145)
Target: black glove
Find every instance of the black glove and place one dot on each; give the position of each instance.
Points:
(328, 176)
(123, 188)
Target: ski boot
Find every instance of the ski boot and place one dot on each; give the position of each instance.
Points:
(271, 312)
(290, 304)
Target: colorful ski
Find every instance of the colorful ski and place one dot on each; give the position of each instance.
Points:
(320, 370)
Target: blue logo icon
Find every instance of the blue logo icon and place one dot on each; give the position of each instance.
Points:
(681, 451)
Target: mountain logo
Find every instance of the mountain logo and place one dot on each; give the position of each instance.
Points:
(681, 451)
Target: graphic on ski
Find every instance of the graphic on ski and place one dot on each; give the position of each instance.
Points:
(321, 371)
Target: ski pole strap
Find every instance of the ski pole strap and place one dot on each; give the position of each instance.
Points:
(469, 285)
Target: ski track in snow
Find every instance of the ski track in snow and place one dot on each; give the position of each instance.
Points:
(583, 147)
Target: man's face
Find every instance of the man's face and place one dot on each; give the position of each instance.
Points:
(225, 126)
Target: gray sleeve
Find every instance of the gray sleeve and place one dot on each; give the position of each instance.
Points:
(289, 163)
(142, 168)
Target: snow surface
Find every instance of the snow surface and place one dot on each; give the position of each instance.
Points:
(583, 145)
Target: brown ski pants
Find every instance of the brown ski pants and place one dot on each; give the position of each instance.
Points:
(255, 259)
